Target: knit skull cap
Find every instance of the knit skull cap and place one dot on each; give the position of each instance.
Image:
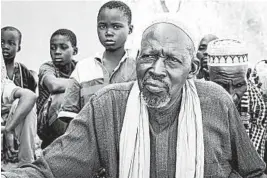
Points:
(227, 52)
(170, 18)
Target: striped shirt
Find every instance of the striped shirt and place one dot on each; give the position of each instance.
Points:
(49, 68)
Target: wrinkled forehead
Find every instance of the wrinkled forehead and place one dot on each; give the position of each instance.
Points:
(166, 33)
(230, 72)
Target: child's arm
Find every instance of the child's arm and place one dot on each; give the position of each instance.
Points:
(71, 104)
(48, 78)
(26, 102)
(55, 85)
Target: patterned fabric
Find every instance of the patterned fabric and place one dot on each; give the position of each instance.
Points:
(89, 76)
(253, 113)
(224, 52)
(90, 145)
(49, 68)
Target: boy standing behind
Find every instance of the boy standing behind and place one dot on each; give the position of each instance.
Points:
(53, 80)
(17, 72)
(113, 66)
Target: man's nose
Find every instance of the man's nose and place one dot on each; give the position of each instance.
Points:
(109, 32)
(231, 90)
(159, 68)
(58, 51)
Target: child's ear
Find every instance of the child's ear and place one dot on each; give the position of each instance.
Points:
(19, 48)
(130, 29)
(75, 50)
(195, 66)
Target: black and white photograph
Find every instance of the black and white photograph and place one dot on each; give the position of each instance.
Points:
(134, 89)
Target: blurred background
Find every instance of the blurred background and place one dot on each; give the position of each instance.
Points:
(37, 20)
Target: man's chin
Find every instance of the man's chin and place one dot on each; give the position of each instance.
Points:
(8, 59)
(155, 101)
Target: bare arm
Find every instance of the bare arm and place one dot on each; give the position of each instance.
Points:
(55, 85)
(26, 102)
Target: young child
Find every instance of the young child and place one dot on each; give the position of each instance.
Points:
(17, 72)
(112, 66)
(16, 121)
(54, 76)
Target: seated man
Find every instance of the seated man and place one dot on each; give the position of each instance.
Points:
(53, 80)
(17, 113)
(228, 64)
(202, 55)
(163, 125)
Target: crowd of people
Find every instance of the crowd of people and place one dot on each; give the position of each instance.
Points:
(170, 110)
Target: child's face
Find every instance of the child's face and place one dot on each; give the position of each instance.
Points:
(61, 50)
(113, 28)
(9, 44)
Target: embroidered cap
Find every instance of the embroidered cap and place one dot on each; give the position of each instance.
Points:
(227, 52)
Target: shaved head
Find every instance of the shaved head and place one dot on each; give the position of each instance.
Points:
(167, 33)
(165, 62)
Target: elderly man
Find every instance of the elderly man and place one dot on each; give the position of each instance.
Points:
(163, 125)
(228, 64)
(202, 55)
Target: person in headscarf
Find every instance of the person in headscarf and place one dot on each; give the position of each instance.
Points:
(228, 64)
(202, 55)
(165, 124)
(16, 121)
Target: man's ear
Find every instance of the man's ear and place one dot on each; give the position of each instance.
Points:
(195, 66)
(19, 48)
(75, 50)
(130, 29)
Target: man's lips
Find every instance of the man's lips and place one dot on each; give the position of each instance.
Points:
(109, 42)
(5, 53)
(155, 87)
(58, 59)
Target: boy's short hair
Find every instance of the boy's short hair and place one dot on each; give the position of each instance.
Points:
(68, 33)
(118, 5)
(10, 28)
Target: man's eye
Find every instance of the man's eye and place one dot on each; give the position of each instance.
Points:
(116, 27)
(52, 47)
(102, 26)
(12, 43)
(64, 47)
(173, 59)
(201, 48)
(240, 85)
(148, 56)
(2, 43)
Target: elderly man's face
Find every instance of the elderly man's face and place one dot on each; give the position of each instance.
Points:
(232, 79)
(164, 64)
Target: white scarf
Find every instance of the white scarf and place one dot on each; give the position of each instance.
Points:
(135, 139)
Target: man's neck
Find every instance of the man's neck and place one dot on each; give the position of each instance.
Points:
(112, 58)
(10, 69)
(66, 69)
